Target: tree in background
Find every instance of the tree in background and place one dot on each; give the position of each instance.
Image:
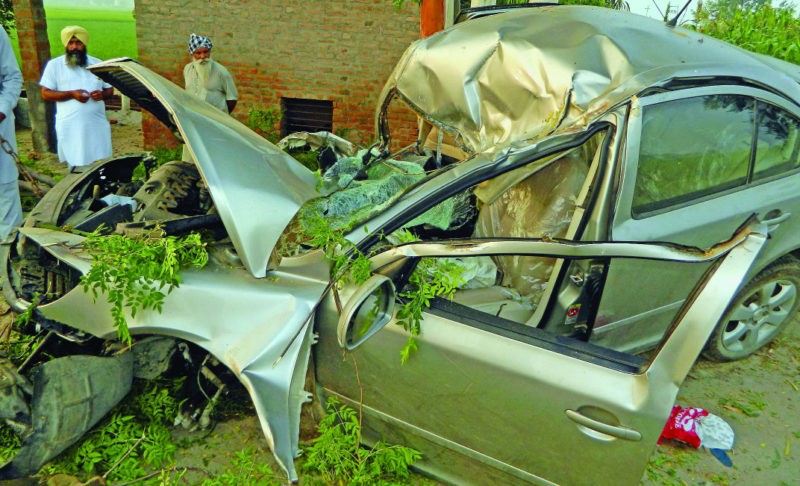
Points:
(7, 15)
(753, 25)
(615, 4)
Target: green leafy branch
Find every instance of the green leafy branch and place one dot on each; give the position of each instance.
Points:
(433, 277)
(135, 436)
(348, 264)
(336, 455)
(137, 273)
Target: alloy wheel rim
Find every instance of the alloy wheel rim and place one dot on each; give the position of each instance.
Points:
(759, 316)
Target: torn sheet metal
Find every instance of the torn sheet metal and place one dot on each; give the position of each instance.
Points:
(70, 395)
(528, 73)
(317, 141)
(258, 328)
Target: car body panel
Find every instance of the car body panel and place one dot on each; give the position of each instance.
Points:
(524, 74)
(507, 403)
(697, 223)
(248, 177)
(482, 395)
(258, 328)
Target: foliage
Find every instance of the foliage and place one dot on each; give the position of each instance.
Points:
(398, 4)
(7, 16)
(136, 435)
(347, 263)
(762, 28)
(135, 273)
(9, 443)
(337, 456)
(433, 277)
(265, 121)
(308, 158)
(615, 4)
(41, 167)
(166, 154)
(159, 157)
(246, 470)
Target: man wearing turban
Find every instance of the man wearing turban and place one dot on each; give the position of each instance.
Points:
(82, 129)
(208, 79)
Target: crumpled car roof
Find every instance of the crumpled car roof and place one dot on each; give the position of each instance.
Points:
(528, 73)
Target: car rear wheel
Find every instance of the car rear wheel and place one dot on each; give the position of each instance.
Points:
(760, 310)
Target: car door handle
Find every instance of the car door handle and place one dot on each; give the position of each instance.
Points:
(602, 427)
(774, 218)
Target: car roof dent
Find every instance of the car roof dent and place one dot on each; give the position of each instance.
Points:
(533, 72)
(256, 187)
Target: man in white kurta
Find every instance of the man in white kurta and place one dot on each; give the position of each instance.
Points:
(10, 87)
(82, 129)
(208, 80)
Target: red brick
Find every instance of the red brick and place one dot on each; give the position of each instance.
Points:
(341, 50)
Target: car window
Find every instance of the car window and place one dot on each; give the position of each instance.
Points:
(691, 148)
(777, 145)
(532, 201)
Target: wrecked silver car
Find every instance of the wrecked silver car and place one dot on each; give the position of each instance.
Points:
(554, 150)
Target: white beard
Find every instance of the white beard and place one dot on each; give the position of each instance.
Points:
(202, 69)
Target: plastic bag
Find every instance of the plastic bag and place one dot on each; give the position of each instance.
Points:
(697, 427)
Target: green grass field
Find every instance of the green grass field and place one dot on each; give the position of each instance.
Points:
(112, 32)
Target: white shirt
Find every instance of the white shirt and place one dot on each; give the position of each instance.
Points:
(60, 76)
(84, 134)
(10, 87)
(217, 90)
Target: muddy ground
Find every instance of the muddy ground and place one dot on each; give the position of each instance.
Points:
(759, 397)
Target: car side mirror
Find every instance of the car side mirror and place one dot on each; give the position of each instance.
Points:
(366, 312)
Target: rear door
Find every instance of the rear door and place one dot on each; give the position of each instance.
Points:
(492, 401)
(697, 163)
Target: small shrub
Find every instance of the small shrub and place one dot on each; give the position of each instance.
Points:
(774, 31)
(265, 121)
(337, 456)
(246, 470)
(135, 439)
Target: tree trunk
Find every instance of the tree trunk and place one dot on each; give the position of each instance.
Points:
(431, 17)
(34, 49)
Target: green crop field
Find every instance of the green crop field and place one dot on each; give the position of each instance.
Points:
(112, 33)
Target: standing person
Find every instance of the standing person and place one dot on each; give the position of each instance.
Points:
(208, 79)
(82, 129)
(10, 87)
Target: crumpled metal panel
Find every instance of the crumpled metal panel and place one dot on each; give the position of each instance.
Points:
(259, 328)
(525, 74)
(70, 395)
(256, 187)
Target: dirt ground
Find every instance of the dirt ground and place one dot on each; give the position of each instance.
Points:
(126, 136)
(759, 397)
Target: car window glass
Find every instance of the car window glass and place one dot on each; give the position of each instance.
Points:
(777, 145)
(691, 148)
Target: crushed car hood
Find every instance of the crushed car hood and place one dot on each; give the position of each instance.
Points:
(520, 75)
(256, 187)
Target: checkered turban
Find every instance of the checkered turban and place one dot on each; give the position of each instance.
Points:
(196, 41)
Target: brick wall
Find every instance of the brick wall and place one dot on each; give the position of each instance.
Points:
(336, 50)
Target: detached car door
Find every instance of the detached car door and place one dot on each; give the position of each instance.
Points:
(491, 401)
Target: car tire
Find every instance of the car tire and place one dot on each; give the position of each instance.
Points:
(758, 313)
